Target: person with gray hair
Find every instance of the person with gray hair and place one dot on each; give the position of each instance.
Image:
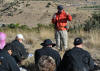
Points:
(46, 63)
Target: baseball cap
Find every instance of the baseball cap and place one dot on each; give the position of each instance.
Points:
(78, 41)
(60, 7)
(20, 36)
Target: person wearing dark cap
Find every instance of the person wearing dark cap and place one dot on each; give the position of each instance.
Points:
(76, 59)
(48, 51)
(60, 21)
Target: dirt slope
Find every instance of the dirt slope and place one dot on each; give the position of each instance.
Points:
(39, 12)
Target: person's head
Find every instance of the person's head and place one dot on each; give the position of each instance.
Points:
(8, 48)
(10, 52)
(2, 40)
(46, 63)
(60, 8)
(78, 42)
(48, 43)
(20, 38)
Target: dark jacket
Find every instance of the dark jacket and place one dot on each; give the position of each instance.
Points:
(76, 59)
(49, 52)
(18, 51)
(7, 63)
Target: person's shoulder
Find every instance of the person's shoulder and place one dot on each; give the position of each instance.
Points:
(17, 43)
(3, 57)
(55, 52)
(9, 59)
(86, 52)
(4, 54)
(8, 56)
(63, 11)
(14, 41)
(7, 46)
(83, 51)
(38, 50)
(68, 51)
(53, 49)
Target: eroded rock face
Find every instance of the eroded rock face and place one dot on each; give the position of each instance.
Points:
(6, 1)
(9, 0)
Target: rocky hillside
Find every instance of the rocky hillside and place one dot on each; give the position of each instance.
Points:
(39, 12)
(33, 12)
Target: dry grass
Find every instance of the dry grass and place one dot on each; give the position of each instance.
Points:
(33, 40)
(45, 33)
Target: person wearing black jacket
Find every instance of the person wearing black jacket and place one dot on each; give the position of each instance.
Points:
(76, 59)
(7, 63)
(48, 51)
(18, 50)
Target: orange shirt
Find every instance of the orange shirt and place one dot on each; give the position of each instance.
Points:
(60, 20)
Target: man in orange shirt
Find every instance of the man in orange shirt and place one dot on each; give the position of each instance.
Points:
(60, 20)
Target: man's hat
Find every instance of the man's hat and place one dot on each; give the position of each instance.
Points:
(78, 41)
(60, 7)
(20, 36)
(48, 42)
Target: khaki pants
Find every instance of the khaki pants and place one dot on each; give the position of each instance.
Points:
(61, 39)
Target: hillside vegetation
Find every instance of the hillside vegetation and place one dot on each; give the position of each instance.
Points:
(33, 20)
(38, 34)
(41, 12)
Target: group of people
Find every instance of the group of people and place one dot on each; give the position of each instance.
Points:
(11, 54)
(75, 59)
(46, 58)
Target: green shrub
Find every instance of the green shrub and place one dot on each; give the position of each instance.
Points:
(48, 5)
(24, 27)
(93, 23)
(75, 28)
(13, 26)
(94, 7)
(27, 5)
(74, 15)
(97, 6)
